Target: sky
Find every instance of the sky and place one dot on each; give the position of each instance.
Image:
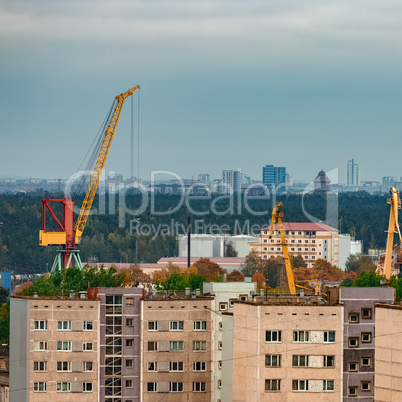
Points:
(225, 84)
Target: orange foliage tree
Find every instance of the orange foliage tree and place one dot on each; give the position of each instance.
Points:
(235, 276)
(210, 270)
(260, 279)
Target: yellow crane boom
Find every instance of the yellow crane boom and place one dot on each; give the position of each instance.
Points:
(393, 227)
(100, 164)
(277, 215)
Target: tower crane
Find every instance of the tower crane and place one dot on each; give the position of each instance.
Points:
(277, 215)
(69, 236)
(393, 227)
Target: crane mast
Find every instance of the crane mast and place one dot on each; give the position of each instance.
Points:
(277, 215)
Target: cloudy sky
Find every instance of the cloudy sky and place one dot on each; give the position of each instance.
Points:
(224, 85)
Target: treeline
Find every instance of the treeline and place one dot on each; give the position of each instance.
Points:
(111, 237)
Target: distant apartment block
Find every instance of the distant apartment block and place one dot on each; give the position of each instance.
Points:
(231, 181)
(389, 181)
(273, 176)
(352, 173)
(290, 352)
(360, 335)
(55, 349)
(204, 178)
(177, 347)
(312, 241)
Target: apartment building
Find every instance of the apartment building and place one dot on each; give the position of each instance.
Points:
(360, 337)
(286, 352)
(54, 349)
(312, 241)
(388, 353)
(120, 344)
(177, 348)
(225, 293)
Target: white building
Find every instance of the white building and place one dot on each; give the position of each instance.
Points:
(231, 181)
(352, 178)
(204, 245)
(225, 293)
(347, 247)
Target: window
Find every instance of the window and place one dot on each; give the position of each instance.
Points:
(353, 318)
(353, 342)
(40, 366)
(366, 361)
(199, 387)
(299, 361)
(273, 336)
(64, 345)
(366, 313)
(365, 385)
(176, 325)
(231, 303)
(40, 325)
(300, 385)
(219, 384)
(220, 345)
(272, 360)
(220, 326)
(200, 325)
(152, 325)
(63, 366)
(88, 366)
(152, 346)
(176, 387)
(129, 301)
(40, 387)
(87, 387)
(152, 366)
(199, 345)
(352, 391)
(301, 336)
(63, 387)
(220, 364)
(176, 345)
(328, 385)
(329, 361)
(272, 385)
(366, 337)
(176, 366)
(40, 345)
(129, 322)
(129, 342)
(129, 363)
(63, 325)
(329, 336)
(88, 326)
(152, 387)
(222, 306)
(87, 346)
(353, 366)
(199, 366)
(129, 383)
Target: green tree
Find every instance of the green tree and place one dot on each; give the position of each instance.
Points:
(230, 251)
(5, 322)
(297, 261)
(4, 293)
(359, 263)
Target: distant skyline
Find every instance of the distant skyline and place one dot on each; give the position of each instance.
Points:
(224, 85)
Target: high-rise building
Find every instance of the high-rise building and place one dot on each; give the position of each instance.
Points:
(273, 176)
(204, 178)
(389, 181)
(231, 181)
(352, 176)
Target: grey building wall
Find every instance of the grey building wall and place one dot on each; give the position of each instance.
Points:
(119, 324)
(354, 301)
(19, 350)
(227, 357)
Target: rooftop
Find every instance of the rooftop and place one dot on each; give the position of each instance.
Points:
(304, 226)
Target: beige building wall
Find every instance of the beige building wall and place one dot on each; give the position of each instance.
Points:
(250, 373)
(74, 311)
(169, 325)
(320, 245)
(388, 353)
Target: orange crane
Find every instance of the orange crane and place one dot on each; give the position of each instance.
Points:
(69, 236)
(393, 227)
(277, 215)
